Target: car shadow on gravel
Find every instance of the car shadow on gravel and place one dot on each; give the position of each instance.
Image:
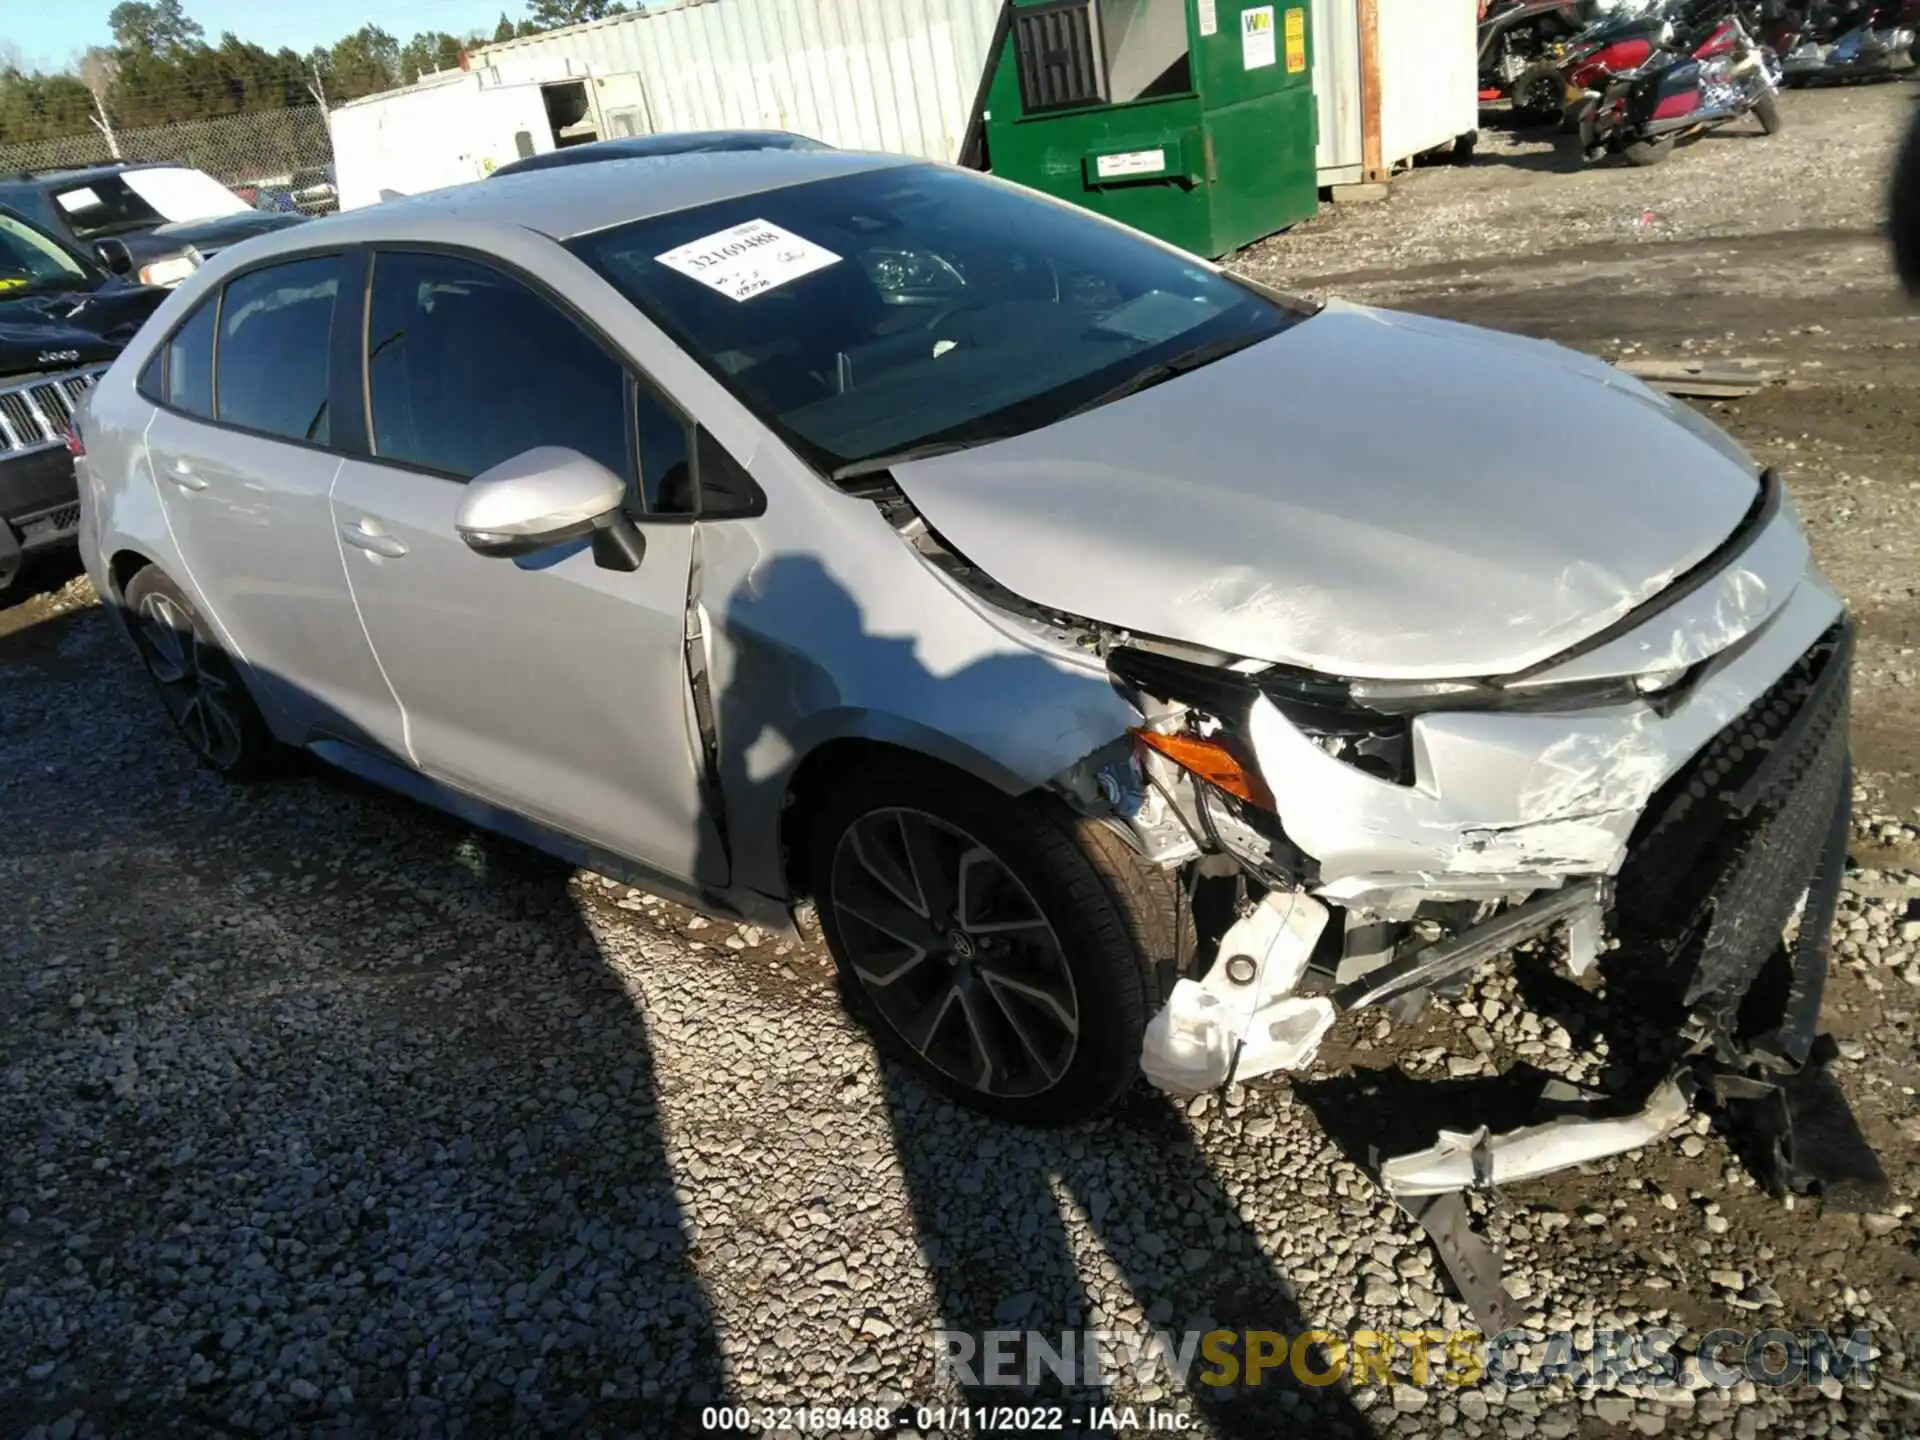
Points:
(321, 1113)
(1178, 1260)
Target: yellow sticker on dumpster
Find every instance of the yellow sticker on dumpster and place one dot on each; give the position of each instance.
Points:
(1296, 41)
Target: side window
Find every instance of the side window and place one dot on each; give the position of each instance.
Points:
(190, 362)
(153, 376)
(666, 460)
(467, 367)
(275, 325)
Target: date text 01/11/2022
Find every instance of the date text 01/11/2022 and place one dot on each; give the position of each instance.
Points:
(945, 1419)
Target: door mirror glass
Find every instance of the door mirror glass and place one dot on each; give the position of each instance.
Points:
(538, 499)
(114, 255)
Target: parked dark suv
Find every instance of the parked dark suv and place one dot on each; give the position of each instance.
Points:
(63, 318)
(153, 223)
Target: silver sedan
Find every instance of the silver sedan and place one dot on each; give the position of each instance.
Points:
(1136, 667)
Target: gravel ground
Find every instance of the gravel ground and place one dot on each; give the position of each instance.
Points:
(323, 1115)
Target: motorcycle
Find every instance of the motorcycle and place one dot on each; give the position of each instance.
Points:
(1514, 34)
(1714, 74)
(1587, 65)
(1553, 87)
(1834, 40)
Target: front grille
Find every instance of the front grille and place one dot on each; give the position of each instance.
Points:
(35, 414)
(1729, 845)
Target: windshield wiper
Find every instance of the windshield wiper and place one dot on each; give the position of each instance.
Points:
(1163, 370)
(875, 464)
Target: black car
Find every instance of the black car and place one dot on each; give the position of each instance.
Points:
(63, 317)
(153, 222)
(674, 142)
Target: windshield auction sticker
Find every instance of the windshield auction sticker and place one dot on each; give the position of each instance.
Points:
(750, 259)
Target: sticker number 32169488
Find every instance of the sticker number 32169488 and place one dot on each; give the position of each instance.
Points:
(749, 259)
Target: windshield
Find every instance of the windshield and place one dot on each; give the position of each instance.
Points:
(142, 199)
(30, 261)
(913, 306)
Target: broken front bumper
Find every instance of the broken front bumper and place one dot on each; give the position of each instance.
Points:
(1728, 870)
(1693, 827)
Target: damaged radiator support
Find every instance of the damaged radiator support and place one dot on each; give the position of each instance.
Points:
(1445, 959)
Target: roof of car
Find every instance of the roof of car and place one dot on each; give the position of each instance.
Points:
(82, 175)
(570, 200)
(668, 142)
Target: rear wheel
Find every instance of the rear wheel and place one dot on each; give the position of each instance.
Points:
(1648, 152)
(202, 691)
(1767, 111)
(1539, 97)
(1007, 951)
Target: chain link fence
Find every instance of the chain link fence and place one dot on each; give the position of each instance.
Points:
(275, 159)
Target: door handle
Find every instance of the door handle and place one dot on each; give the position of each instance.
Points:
(181, 474)
(362, 538)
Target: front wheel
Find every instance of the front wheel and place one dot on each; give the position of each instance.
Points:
(202, 691)
(1007, 951)
(1767, 111)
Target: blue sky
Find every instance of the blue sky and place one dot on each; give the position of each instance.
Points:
(50, 32)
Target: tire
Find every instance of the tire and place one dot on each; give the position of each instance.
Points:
(201, 689)
(1767, 111)
(1539, 98)
(1080, 920)
(1903, 208)
(1648, 152)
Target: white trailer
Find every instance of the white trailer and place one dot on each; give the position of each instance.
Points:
(450, 128)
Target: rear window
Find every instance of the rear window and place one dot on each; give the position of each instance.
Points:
(275, 327)
(190, 363)
(142, 199)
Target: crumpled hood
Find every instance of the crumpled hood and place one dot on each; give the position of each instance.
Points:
(1368, 494)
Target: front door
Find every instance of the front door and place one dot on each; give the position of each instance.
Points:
(545, 685)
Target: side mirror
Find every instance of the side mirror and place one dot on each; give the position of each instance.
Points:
(545, 497)
(114, 255)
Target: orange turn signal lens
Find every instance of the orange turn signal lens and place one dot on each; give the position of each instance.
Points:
(1212, 761)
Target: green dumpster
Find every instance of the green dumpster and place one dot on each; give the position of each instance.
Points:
(1190, 119)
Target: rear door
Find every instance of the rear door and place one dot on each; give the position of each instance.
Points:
(239, 447)
(545, 685)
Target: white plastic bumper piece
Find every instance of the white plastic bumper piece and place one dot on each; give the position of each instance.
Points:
(1243, 1020)
(1477, 1160)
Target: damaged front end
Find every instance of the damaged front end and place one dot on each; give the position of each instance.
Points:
(1681, 822)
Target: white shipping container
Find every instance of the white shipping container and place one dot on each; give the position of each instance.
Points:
(1429, 75)
(1429, 84)
(454, 127)
(895, 75)
(443, 131)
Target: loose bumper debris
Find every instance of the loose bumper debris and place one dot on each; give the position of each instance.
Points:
(1477, 1160)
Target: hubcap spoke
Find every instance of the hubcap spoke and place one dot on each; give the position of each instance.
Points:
(193, 720)
(921, 842)
(1028, 1042)
(166, 633)
(999, 982)
(870, 849)
(885, 974)
(979, 1031)
(223, 730)
(927, 1025)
